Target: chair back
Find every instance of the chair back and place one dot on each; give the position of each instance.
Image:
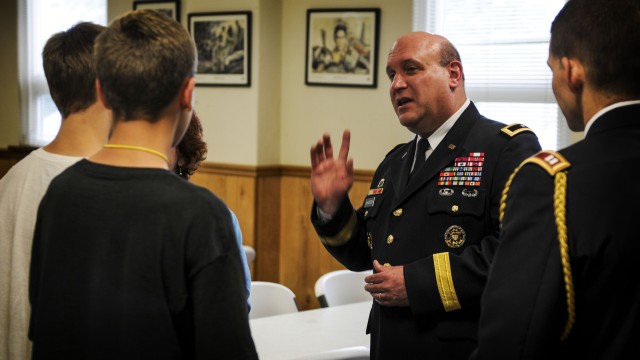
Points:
(342, 287)
(250, 253)
(269, 298)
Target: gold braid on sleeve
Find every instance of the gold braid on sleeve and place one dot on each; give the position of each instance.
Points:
(559, 205)
(503, 199)
(554, 164)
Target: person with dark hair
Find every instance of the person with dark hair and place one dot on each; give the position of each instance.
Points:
(186, 159)
(427, 227)
(191, 151)
(130, 261)
(70, 72)
(345, 57)
(563, 283)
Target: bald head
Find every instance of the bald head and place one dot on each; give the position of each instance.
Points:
(433, 43)
(427, 81)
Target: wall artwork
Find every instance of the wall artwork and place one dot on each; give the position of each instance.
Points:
(342, 47)
(223, 40)
(169, 8)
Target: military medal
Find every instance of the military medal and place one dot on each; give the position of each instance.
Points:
(466, 171)
(455, 236)
(445, 192)
(470, 193)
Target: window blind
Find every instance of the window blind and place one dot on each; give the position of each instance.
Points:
(37, 21)
(504, 47)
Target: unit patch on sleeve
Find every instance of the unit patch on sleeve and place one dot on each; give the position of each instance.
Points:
(553, 162)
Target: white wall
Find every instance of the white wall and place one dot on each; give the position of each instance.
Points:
(309, 111)
(276, 120)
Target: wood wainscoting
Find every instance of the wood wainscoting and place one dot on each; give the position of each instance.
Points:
(273, 206)
(11, 155)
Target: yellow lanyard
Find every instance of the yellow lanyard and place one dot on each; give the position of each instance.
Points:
(141, 148)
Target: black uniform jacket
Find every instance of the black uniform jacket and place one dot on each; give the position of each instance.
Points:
(524, 307)
(441, 226)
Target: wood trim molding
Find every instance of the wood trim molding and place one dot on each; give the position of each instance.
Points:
(270, 170)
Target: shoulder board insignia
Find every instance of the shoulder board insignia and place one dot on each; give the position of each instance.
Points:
(515, 129)
(551, 161)
(394, 148)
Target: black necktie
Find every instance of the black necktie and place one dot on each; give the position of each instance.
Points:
(421, 156)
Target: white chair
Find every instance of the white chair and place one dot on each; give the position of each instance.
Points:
(269, 298)
(250, 253)
(341, 287)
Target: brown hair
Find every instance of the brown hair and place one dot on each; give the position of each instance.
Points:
(604, 35)
(69, 67)
(142, 60)
(191, 150)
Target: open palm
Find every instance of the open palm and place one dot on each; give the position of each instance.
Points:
(331, 178)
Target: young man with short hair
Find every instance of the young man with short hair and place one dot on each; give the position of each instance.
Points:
(70, 71)
(129, 260)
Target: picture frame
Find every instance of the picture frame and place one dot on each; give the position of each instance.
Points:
(223, 41)
(171, 8)
(342, 47)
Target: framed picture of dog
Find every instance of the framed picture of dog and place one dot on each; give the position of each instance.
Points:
(223, 40)
(342, 47)
(171, 8)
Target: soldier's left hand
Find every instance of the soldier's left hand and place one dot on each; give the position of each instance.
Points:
(386, 285)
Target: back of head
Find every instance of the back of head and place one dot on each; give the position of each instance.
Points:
(605, 36)
(142, 61)
(69, 67)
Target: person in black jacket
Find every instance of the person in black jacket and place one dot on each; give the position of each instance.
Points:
(427, 227)
(129, 261)
(563, 283)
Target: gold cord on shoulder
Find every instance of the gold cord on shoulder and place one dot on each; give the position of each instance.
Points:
(505, 191)
(559, 205)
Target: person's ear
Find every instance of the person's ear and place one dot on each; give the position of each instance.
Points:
(455, 74)
(101, 96)
(573, 71)
(187, 98)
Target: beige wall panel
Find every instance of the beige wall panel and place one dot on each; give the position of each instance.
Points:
(310, 111)
(9, 91)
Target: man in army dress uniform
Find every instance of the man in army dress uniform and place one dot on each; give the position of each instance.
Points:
(428, 227)
(564, 281)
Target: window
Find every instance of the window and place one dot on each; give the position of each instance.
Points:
(504, 46)
(37, 21)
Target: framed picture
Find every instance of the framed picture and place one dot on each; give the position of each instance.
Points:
(171, 8)
(223, 40)
(342, 47)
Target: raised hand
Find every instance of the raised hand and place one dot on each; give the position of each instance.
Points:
(331, 178)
